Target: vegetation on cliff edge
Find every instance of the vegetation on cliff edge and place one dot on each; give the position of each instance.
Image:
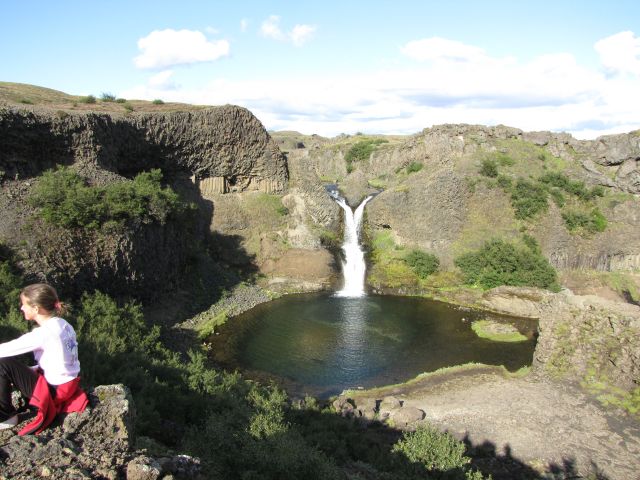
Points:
(503, 263)
(63, 198)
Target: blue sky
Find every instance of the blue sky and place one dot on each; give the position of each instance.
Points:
(335, 67)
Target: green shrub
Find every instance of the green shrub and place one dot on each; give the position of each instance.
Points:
(64, 199)
(504, 182)
(591, 222)
(557, 197)
(504, 159)
(121, 100)
(11, 321)
(26, 101)
(489, 168)
(501, 263)
(414, 167)
(574, 187)
(88, 99)
(528, 199)
(432, 449)
(423, 264)
(158, 101)
(107, 97)
(127, 106)
(361, 150)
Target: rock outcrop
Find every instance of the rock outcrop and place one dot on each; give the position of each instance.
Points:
(97, 443)
(583, 338)
(448, 208)
(225, 142)
(212, 151)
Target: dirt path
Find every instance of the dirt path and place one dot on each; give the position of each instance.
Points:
(533, 424)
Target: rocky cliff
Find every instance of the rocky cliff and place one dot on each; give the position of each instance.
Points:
(97, 443)
(435, 198)
(583, 338)
(213, 151)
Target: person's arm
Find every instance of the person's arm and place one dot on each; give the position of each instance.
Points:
(26, 343)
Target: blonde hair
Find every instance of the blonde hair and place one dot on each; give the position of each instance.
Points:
(44, 296)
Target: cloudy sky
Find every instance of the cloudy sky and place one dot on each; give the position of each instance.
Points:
(331, 67)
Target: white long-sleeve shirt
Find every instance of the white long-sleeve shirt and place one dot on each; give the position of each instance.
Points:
(54, 347)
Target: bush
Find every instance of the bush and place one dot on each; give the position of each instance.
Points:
(414, 167)
(88, 99)
(64, 199)
(423, 264)
(11, 319)
(432, 449)
(592, 222)
(528, 199)
(501, 263)
(504, 182)
(489, 168)
(361, 150)
(574, 187)
(158, 101)
(108, 97)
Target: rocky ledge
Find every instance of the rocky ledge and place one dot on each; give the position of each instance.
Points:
(97, 443)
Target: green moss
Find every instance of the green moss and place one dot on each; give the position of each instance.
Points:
(207, 328)
(610, 395)
(486, 329)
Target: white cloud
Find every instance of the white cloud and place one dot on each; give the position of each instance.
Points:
(271, 29)
(437, 48)
(456, 83)
(620, 53)
(166, 48)
(299, 35)
(244, 25)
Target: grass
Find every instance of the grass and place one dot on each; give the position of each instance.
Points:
(470, 367)
(208, 327)
(26, 95)
(487, 329)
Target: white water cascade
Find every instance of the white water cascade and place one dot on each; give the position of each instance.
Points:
(353, 266)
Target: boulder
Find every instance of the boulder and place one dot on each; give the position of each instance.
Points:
(97, 443)
(387, 406)
(407, 416)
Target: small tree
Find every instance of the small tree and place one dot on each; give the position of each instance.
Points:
(423, 264)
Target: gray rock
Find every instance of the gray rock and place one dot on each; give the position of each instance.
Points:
(407, 416)
(367, 408)
(143, 468)
(387, 406)
(96, 443)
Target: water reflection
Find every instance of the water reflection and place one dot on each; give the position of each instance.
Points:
(350, 349)
(321, 345)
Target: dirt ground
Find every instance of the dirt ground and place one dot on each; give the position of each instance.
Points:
(526, 427)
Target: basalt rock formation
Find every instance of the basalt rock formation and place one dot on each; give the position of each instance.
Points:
(97, 443)
(435, 198)
(213, 151)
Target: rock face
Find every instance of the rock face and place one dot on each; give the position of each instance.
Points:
(589, 339)
(220, 142)
(448, 208)
(582, 338)
(97, 443)
(213, 151)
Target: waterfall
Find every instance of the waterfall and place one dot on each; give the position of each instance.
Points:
(353, 266)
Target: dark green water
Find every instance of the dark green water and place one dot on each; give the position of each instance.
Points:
(321, 345)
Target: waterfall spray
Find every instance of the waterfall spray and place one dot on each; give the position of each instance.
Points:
(353, 266)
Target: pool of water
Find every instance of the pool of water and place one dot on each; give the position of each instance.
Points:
(321, 345)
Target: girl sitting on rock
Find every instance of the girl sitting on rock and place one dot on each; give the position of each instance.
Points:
(53, 385)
